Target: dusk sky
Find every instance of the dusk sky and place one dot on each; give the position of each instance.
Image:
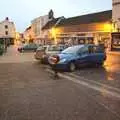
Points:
(23, 11)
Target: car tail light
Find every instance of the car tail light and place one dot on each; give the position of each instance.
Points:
(54, 59)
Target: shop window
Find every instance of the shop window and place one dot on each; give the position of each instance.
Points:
(81, 41)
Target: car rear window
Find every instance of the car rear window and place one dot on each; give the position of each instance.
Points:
(54, 48)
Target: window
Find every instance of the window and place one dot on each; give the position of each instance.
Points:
(6, 26)
(84, 50)
(96, 49)
(6, 32)
(72, 50)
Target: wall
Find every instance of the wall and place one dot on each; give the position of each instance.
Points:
(94, 27)
(38, 23)
(116, 12)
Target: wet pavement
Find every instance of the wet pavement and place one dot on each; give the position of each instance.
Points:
(108, 74)
(29, 92)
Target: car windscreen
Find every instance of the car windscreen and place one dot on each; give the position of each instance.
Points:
(72, 50)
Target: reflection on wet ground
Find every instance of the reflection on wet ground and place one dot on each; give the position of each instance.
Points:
(108, 74)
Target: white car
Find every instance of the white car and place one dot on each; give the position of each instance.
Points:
(44, 52)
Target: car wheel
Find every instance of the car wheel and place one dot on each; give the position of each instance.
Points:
(72, 67)
(21, 50)
(99, 64)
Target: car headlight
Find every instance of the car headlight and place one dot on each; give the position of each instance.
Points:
(62, 61)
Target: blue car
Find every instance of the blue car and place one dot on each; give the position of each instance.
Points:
(78, 56)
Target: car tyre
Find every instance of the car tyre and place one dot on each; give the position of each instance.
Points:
(99, 64)
(21, 51)
(72, 67)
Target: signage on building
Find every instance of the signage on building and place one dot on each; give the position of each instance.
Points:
(115, 43)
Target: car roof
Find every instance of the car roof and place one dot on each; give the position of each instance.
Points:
(86, 45)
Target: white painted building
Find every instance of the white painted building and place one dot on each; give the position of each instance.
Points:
(116, 13)
(7, 30)
(38, 23)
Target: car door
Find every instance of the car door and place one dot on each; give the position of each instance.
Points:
(95, 56)
(26, 47)
(82, 57)
(100, 54)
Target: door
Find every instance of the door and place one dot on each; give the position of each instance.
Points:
(96, 54)
(82, 57)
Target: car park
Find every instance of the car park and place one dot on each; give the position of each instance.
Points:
(77, 56)
(28, 47)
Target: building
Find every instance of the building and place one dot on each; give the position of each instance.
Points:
(7, 31)
(28, 35)
(91, 28)
(38, 23)
(116, 14)
(115, 41)
(48, 31)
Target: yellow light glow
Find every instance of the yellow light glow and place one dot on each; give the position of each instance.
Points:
(53, 34)
(53, 31)
(17, 36)
(107, 27)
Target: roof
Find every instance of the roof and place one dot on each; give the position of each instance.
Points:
(28, 28)
(86, 19)
(51, 23)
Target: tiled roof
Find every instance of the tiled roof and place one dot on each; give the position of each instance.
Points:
(86, 19)
(51, 23)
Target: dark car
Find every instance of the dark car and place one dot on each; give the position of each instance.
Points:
(77, 56)
(1, 49)
(28, 47)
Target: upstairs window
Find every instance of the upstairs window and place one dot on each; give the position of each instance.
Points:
(6, 32)
(6, 26)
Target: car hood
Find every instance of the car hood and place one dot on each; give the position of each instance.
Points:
(67, 56)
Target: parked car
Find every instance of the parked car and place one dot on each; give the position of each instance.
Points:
(77, 56)
(1, 49)
(44, 52)
(28, 47)
(40, 52)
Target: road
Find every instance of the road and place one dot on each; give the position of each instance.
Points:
(29, 92)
